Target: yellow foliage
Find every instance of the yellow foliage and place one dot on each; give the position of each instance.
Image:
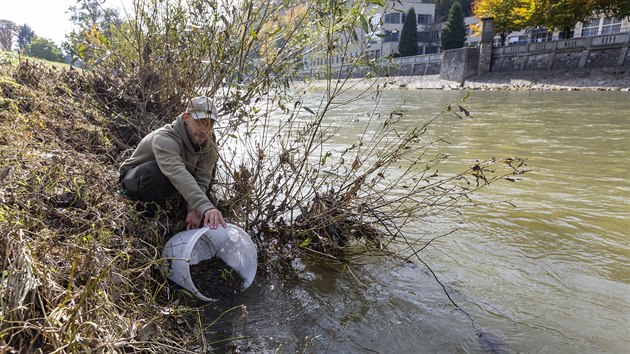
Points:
(524, 12)
(287, 20)
(485, 8)
(273, 30)
(476, 29)
(508, 15)
(95, 39)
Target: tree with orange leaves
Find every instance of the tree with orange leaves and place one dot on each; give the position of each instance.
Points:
(617, 8)
(561, 15)
(506, 15)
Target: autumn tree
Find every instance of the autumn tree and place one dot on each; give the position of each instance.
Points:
(94, 24)
(454, 34)
(507, 18)
(561, 15)
(617, 8)
(25, 35)
(7, 31)
(409, 35)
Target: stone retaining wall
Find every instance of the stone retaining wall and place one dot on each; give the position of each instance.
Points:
(603, 51)
(459, 64)
(598, 52)
(428, 64)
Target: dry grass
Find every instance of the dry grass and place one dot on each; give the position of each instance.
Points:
(80, 267)
(14, 58)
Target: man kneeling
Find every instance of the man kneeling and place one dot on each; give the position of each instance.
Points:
(177, 158)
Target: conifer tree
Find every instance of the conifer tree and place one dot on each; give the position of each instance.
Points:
(442, 7)
(454, 34)
(25, 35)
(409, 35)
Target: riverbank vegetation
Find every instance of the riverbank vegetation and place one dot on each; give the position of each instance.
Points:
(81, 268)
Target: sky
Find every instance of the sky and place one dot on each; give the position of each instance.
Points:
(47, 18)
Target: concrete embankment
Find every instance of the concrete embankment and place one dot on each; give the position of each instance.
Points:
(608, 79)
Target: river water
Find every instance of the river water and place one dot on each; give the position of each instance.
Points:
(548, 274)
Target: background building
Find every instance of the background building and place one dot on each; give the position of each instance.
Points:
(597, 26)
(388, 23)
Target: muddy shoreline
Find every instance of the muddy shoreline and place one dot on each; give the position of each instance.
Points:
(608, 79)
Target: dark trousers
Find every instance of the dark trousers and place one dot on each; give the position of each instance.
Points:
(146, 183)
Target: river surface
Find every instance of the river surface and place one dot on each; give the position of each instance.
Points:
(548, 274)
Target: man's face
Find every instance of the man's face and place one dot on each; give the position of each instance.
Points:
(198, 129)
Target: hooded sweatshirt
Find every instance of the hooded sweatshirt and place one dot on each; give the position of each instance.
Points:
(189, 171)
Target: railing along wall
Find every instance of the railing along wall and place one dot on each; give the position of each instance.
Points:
(427, 64)
(610, 50)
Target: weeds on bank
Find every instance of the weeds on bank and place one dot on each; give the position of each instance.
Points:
(80, 266)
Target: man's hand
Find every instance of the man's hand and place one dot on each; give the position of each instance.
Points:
(212, 218)
(193, 219)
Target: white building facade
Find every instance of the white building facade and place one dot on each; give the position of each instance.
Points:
(596, 26)
(387, 26)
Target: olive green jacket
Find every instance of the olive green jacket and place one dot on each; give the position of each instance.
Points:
(189, 171)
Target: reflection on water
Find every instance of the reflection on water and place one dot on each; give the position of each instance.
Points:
(549, 275)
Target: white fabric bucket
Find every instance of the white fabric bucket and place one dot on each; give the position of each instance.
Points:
(190, 247)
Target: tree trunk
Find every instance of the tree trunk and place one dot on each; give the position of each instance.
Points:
(566, 33)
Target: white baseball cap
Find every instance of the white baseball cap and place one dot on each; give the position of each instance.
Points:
(202, 107)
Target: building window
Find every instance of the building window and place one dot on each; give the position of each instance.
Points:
(424, 19)
(431, 49)
(517, 40)
(391, 36)
(373, 54)
(428, 37)
(611, 25)
(541, 37)
(435, 36)
(590, 28)
(392, 17)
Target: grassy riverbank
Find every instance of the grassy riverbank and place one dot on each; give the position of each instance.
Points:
(609, 79)
(80, 266)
